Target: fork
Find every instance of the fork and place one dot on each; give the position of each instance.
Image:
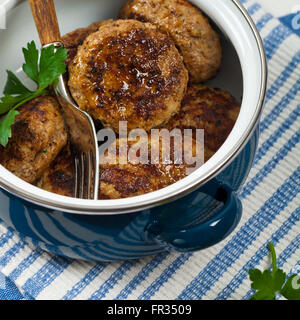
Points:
(82, 130)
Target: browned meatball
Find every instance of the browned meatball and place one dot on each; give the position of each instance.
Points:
(128, 71)
(198, 43)
(213, 110)
(74, 39)
(38, 135)
(59, 176)
(132, 179)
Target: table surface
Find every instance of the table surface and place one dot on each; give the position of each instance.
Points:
(280, 8)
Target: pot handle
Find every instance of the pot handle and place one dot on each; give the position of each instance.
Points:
(201, 227)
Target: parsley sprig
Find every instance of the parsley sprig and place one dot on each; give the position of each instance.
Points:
(267, 284)
(42, 68)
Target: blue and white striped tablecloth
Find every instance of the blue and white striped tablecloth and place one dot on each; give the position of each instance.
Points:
(271, 213)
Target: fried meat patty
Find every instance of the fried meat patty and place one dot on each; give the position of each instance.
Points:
(119, 180)
(128, 71)
(191, 31)
(59, 177)
(75, 38)
(38, 135)
(213, 110)
(124, 180)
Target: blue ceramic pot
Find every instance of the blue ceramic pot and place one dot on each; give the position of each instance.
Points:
(194, 213)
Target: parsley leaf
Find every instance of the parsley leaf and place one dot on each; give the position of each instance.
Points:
(7, 102)
(262, 282)
(14, 85)
(268, 284)
(51, 65)
(43, 69)
(5, 126)
(30, 67)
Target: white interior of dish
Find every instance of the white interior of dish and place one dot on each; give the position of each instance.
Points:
(238, 72)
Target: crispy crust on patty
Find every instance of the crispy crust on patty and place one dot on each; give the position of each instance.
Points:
(191, 31)
(128, 71)
(213, 110)
(75, 38)
(59, 177)
(119, 180)
(38, 135)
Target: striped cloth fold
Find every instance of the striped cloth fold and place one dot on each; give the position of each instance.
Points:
(271, 212)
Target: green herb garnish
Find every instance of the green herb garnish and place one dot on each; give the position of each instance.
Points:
(269, 284)
(43, 69)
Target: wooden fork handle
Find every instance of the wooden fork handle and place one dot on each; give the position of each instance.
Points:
(45, 19)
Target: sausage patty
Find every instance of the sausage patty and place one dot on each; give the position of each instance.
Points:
(119, 180)
(128, 71)
(196, 40)
(75, 38)
(59, 177)
(213, 110)
(38, 135)
(125, 180)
